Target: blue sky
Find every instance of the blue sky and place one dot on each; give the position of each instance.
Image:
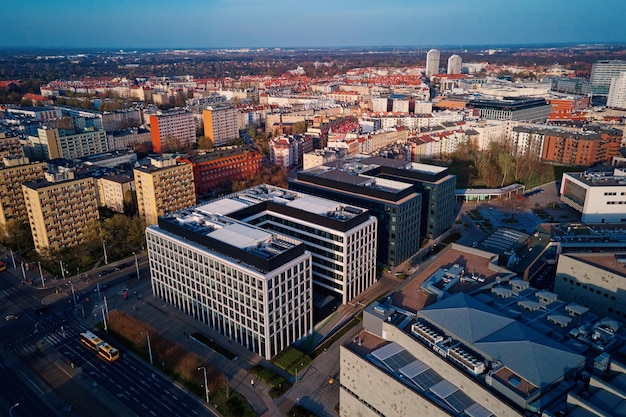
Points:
(313, 23)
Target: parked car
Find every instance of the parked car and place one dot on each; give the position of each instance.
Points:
(10, 317)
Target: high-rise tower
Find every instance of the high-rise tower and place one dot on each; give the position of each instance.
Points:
(432, 63)
(454, 64)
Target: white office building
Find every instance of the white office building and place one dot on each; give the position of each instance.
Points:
(599, 196)
(340, 237)
(251, 285)
(617, 92)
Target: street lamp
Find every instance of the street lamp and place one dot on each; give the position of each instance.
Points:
(104, 249)
(136, 264)
(11, 409)
(73, 293)
(43, 281)
(206, 387)
(23, 272)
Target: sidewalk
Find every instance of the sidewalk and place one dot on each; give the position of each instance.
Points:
(177, 326)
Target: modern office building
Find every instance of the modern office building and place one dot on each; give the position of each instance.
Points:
(599, 195)
(432, 63)
(249, 284)
(455, 63)
(13, 173)
(220, 124)
(216, 169)
(617, 92)
(512, 108)
(59, 207)
(602, 72)
(53, 143)
(341, 238)
(396, 204)
(594, 280)
(163, 186)
(434, 183)
(172, 131)
(482, 343)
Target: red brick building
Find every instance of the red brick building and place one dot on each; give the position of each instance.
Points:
(581, 148)
(218, 168)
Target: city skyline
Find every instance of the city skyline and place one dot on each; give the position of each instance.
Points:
(281, 23)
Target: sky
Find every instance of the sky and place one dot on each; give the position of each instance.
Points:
(312, 23)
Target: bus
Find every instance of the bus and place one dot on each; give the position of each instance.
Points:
(103, 349)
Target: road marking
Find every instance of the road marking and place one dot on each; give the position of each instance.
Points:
(144, 406)
(153, 413)
(195, 412)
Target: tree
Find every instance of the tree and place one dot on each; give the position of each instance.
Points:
(16, 235)
(205, 143)
(506, 164)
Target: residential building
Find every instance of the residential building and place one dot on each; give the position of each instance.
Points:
(172, 131)
(584, 147)
(455, 63)
(53, 143)
(129, 138)
(216, 169)
(13, 173)
(600, 195)
(59, 207)
(251, 285)
(220, 124)
(114, 191)
(288, 150)
(396, 204)
(617, 92)
(341, 238)
(432, 63)
(163, 186)
(40, 114)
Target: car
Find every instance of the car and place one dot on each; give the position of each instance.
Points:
(541, 190)
(11, 317)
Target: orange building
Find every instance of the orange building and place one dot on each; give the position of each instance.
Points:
(581, 148)
(567, 108)
(217, 169)
(172, 131)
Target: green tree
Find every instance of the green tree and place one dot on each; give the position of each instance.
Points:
(205, 143)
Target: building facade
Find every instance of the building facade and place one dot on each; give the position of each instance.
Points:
(59, 211)
(220, 124)
(249, 284)
(13, 173)
(602, 72)
(163, 186)
(114, 191)
(172, 131)
(53, 143)
(617, 92)
(216, 169)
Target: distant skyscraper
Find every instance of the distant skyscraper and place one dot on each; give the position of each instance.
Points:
(432, 63)
(454, 64)
(602, 72)
(617, 92)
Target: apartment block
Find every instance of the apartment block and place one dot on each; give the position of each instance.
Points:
(13, 173)
(53, 143)
(251, 285)
(220, 124)
(59, 210)
(163, 186)
(114, 191)
(288, 150)
(216, 169)
(172, 131)
(341, 238)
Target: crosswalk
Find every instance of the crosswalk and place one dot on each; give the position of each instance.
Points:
(55, 338)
